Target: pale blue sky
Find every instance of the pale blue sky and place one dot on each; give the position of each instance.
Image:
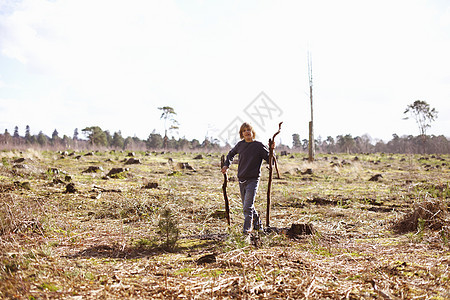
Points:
(73, 64)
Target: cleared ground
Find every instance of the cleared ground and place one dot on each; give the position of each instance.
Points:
(70, 231)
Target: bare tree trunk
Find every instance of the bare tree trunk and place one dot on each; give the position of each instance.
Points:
(311, 150)
(311, 146)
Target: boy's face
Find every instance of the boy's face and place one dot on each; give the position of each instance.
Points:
(248, 135)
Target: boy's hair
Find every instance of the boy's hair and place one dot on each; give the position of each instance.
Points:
(245, 126)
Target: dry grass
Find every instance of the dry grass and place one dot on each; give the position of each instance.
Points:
(378, 240)
(432, 214)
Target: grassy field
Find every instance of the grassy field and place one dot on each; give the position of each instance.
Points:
(156, 229)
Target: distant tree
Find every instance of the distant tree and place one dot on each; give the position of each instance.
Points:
(346, 143)
(27, 134)
(422, 113)
(440, 144)
(172, 143)
(154, 141)
(109, 138)
(296, 143)
(410, 143)
(318, 142)
(215, 143)
(16, 133)
(95, 135)
(16, 139)
(42, 139)
(363, 143)
(380, 146)
(206, 144)
(305, 144)
(195, 144)
(183, 143)
(55, 138)
(75, 134)
(168, 114)
(117, 140)
(128, 143)
(395, 145)
(7, 137)
(66, 141)
(33, 140)
(138, 144)
(330, 144)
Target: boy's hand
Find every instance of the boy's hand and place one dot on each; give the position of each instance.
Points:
(224, 169)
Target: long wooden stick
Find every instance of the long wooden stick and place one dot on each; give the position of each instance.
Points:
(271, 160)
(224, 189)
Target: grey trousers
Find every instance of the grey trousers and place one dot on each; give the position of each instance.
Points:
(248, 189)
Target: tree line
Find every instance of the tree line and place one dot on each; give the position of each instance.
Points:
(97, 138)
(420, 111)
(408, 144)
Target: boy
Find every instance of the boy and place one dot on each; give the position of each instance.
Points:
(251, 153)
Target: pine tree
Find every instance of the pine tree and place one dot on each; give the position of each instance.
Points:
(16, 132)
(55, 138)
(75, 134)
(27, 134)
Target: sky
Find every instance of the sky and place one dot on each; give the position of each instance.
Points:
(67, 64)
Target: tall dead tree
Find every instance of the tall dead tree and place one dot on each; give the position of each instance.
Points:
(311, 148)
